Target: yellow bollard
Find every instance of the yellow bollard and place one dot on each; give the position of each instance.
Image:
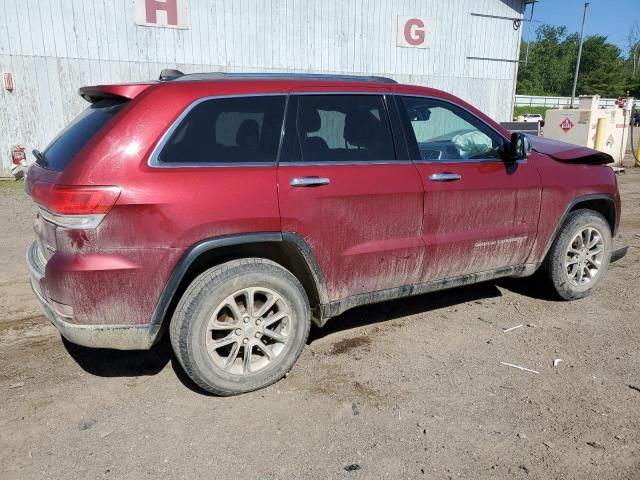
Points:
(601, 132)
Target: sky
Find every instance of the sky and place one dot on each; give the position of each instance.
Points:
(612, 18)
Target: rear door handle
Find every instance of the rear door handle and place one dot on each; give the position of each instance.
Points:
(309, 182)
(445, 177)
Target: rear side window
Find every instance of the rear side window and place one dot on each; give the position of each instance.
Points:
(341, 128)
(227, 131)
(77, 134)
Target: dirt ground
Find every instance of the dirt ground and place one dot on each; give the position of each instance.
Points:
(413, 388)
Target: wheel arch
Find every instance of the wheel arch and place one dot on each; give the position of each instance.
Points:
(602, 203)
(287, 249)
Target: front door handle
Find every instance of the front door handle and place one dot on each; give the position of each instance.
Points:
(445, 177)
(309, 182)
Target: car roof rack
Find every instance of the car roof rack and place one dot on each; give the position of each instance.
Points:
(176, 75)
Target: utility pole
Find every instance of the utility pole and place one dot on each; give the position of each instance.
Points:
(526, 58)
(575, 78)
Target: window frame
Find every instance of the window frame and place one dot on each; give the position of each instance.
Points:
(412, 142)
(402, 133)
(288, 157)
(154, 159)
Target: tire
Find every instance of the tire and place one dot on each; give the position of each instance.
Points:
(212, 339)
(563, 264)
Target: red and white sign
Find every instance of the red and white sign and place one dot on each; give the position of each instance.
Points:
(566, 125)
(7, 80)
(163, 13)
(414, 32)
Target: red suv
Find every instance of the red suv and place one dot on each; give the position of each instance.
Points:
(236, 209)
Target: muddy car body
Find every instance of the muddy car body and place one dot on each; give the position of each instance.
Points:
(166, 203)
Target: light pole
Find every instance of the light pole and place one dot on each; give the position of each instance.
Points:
(575, 77)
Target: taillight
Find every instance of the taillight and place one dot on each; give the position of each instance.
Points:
(74, 206)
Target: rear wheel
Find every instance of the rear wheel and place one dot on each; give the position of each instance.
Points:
(579, 256)
(240, 326)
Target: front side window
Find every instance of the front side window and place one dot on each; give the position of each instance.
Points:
(343, 128)
(444, 132)
(228, 131)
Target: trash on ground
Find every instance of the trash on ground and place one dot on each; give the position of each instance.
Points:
(353, 467)
(557, 361)
(512, 328)
(87, 424)
(518, 367)
(633, 387)
(16, 385)
(596, 445)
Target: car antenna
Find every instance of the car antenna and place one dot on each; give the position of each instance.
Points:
(170, 74)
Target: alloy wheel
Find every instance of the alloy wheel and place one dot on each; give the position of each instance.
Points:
(584, 256)
(248, 330)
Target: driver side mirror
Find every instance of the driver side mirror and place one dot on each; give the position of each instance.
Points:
(519, 147)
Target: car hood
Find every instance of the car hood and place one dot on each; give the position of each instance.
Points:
(569, 153)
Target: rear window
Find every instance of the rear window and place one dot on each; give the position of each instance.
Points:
(228, 131)
(77, 134)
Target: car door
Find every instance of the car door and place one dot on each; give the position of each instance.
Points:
(349, 193)
(480, 210)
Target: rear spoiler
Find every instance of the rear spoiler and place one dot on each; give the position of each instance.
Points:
(125, 91)
(569, 153)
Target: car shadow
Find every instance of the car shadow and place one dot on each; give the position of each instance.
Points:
(394, 309)
(131, 363)
(121, 363)
(535, 286)
(135, 363)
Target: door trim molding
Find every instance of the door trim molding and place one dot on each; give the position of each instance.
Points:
(338, 307)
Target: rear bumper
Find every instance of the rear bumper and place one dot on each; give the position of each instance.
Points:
(119, 337)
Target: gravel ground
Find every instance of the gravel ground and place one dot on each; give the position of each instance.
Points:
(16, 218)
(413, 388)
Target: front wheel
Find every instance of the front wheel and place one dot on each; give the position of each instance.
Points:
(579, 256)
(240, 326)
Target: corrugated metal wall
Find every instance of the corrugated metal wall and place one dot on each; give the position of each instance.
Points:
(52, 47)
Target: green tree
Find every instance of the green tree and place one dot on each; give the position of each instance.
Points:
(551, 63)
(602, 70)
(633, 61)
(548, 69)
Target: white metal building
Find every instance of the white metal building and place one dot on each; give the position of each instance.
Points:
(49, 48)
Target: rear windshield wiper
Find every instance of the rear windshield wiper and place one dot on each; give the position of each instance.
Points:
(40, 158)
